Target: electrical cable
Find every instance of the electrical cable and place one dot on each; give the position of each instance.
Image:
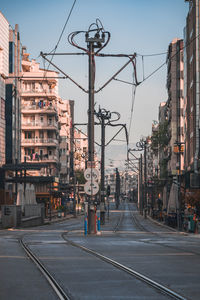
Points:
(54, 50)
(132, 106)
(184, 47)
(155, 54)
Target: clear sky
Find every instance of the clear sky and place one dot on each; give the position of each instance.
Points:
(141, 26)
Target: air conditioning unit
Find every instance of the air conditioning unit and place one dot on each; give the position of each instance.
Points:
(194, 180)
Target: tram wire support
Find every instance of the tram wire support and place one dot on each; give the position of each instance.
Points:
(97, 39)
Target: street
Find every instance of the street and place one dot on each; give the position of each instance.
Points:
(165, 256)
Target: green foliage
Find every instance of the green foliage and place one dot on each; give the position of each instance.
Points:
(160, 137)
(80, 176)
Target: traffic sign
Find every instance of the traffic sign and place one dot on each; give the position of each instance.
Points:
(91, 174)
(91, 188)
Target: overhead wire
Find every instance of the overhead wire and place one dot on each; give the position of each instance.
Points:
(59, 39)
(163, 64)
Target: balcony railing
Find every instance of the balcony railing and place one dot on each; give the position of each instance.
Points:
(40, 124)
(42, 158)
(40, 141)
(36, 108)
(38, 92)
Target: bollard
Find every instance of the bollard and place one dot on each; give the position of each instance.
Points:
(98, 224)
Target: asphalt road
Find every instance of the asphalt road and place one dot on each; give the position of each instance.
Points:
(166, 256)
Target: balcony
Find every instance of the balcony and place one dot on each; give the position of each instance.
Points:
(39, 142)
(38, 93)
(35, 109)
(36, 158)
(39, 125)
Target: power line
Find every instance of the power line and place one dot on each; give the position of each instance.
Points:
(154, 54)
(59, 39)
(184, 47)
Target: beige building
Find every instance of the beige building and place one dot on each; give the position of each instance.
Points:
(80, 151)
(45, 138)
(65, 115)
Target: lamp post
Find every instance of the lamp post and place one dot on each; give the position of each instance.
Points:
(142, 146)
(178, 149)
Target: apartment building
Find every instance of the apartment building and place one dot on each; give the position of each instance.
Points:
(81, 150)
(65, 115)
(40, 124)
(192, 92)
(175, 105)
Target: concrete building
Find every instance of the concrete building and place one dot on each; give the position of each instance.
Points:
(81, 150)
(4, 59)
(65, 115)
(175, 104)
(40, 125)
(13, 102)
(192, 92)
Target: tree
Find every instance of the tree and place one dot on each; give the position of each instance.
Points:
(80, 176)
(160, 138)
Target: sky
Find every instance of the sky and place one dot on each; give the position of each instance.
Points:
(136, 26)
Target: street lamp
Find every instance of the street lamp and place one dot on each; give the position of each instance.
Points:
(178, 149)
(141, 146)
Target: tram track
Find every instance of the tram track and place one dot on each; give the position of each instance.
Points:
(66, 295)
(157, 286)
(62, 295)
(136, 222)
(119, 222)
(141, 227)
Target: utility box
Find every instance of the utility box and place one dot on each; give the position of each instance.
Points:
(11, 216)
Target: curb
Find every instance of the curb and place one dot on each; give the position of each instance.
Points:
(165, 226)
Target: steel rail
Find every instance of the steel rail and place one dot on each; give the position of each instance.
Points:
(136, 221)
(119, 222)
(53, 283)
(159, 287)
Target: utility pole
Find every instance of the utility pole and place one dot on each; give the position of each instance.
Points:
(103, 115)
(142, 145)
(140, 185)
(99, 39)
(145, 178)
(92, 43)
(117, 189)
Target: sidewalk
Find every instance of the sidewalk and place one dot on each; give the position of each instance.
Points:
(56, 219)
(161, 223)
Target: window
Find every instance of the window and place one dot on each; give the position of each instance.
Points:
(29, 135)
(49, 134)
(2, 109)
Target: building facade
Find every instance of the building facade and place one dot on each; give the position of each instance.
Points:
(192, 92)
(40, 125)
(4, 59)
(175, 104)
(13, 101)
